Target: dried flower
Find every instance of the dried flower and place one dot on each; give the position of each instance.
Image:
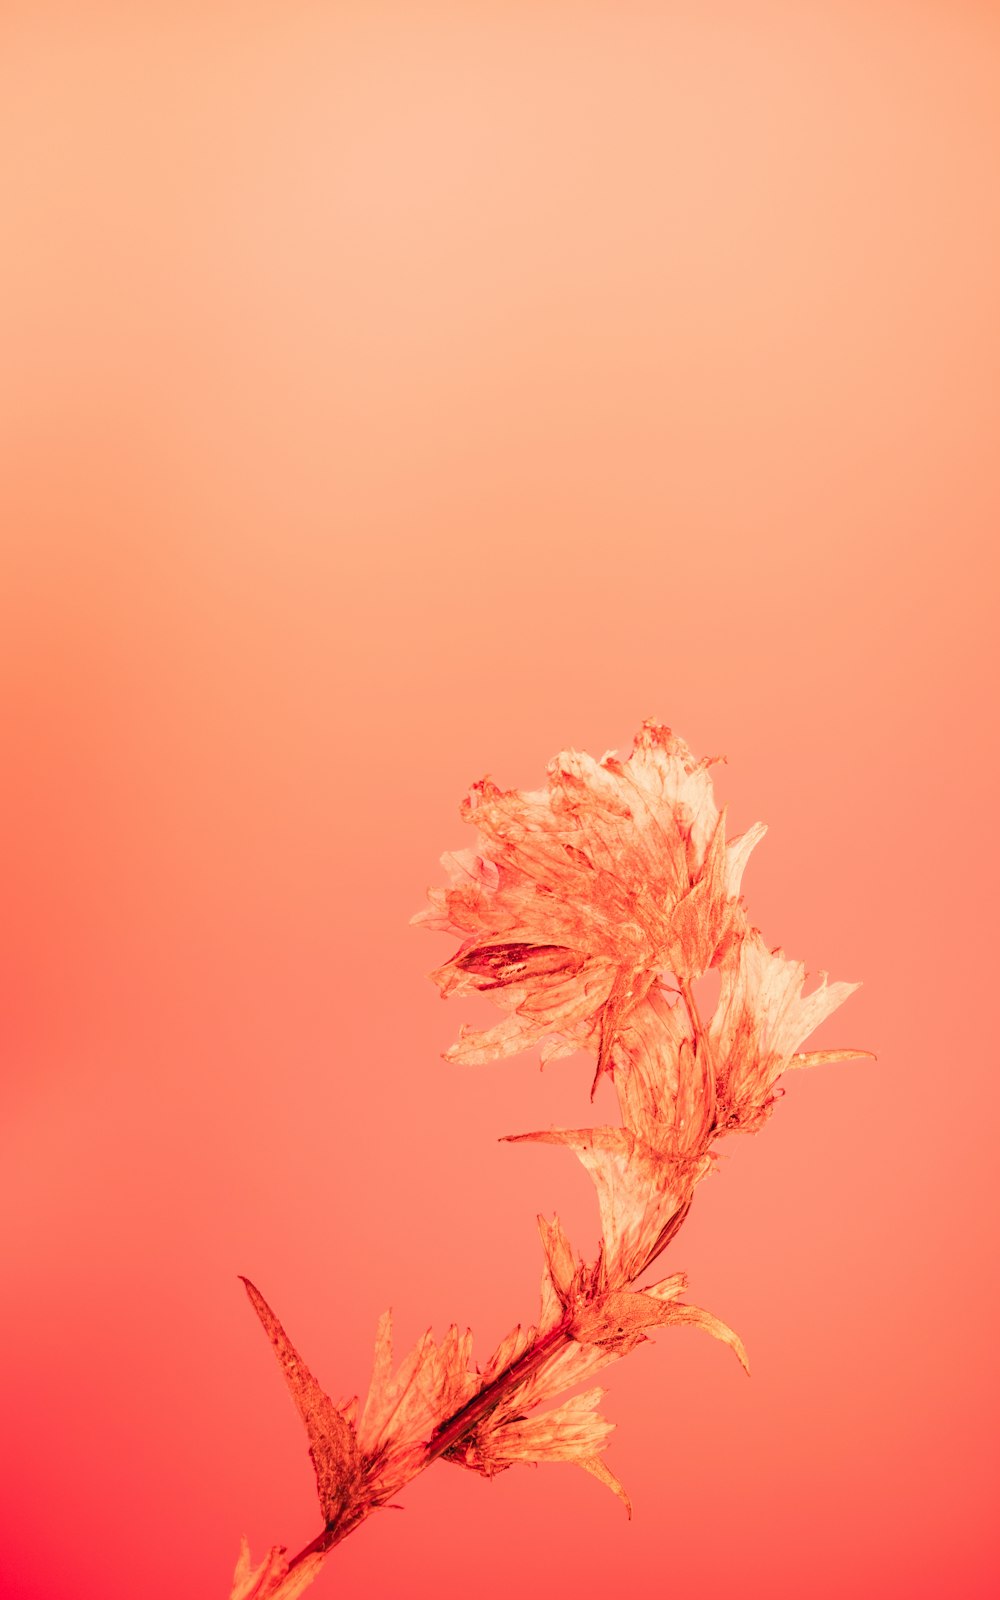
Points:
(579, 898)
(587, 911)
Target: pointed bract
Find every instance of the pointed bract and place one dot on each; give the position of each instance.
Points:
(333, 1444)
(696, 1317)
(599, 1469)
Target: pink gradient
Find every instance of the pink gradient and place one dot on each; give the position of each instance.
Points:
(397, 394)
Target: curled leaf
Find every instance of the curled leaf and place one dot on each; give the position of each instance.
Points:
(696, 1317)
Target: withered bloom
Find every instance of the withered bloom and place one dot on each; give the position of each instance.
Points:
(580, 899)
(587, 911)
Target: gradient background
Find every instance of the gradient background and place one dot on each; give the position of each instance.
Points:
(397, 393)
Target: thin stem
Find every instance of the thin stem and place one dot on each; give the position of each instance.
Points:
(453, 1429)
(449, 1432)
(462, 1421)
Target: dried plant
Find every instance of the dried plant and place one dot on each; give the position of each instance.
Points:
(587, 911)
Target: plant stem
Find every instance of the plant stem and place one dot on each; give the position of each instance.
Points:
(453, 1428)
(450, 1431)
(462, 1421)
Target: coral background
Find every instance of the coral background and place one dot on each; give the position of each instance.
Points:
(393, 394)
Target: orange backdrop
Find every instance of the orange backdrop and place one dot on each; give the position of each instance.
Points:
(393, 394)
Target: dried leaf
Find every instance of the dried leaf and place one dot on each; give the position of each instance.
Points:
(272, 1579)
(333, 1444)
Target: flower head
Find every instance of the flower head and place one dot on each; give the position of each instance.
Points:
(579, 898)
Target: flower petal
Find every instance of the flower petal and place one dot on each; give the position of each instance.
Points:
(403, 1408)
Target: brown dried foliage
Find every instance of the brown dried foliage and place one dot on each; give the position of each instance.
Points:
(586, 911)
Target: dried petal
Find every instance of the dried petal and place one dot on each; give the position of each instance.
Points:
(761, 1019)
(707, 919)
(573, 1432)
(668, 1288)
(642, 1196)
(403, 1408)
(561, 1263)
(511, 1347)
